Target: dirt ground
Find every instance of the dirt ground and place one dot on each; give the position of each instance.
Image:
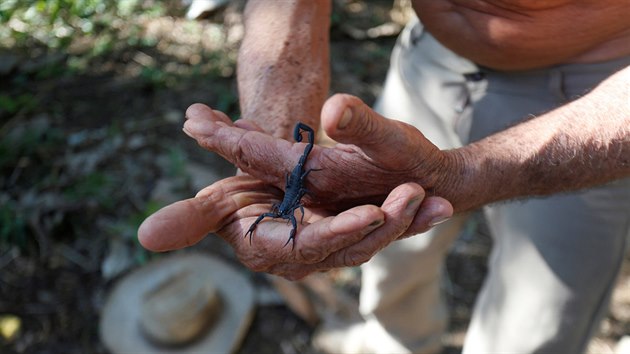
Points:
(92, 147)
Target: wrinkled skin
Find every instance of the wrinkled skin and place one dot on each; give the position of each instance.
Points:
(368, 193)
(378, 155)
(339, 229)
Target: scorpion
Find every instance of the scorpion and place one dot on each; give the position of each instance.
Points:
(294, 188)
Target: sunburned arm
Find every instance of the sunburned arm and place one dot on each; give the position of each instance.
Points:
(283, 63)
(579, 145)
(582, 144)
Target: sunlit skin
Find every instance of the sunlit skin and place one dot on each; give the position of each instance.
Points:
(385, 180)
(329, 237)
(525, 34)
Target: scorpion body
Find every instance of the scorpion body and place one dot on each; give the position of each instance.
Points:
(294, 188)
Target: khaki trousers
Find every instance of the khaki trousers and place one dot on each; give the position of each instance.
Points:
(554, 260)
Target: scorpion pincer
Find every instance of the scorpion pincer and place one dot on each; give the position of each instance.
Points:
(294, 189)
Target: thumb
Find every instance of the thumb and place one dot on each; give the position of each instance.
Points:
(347, 119)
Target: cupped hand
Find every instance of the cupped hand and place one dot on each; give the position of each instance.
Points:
(359, 201)
(374, 156)
(323, 241)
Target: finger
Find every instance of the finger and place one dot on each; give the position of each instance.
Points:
(186, 222)
(248, 124)
(433, 211)
(197, 110)
(331, 234)
(348, 120)
(312, 243)
(261, 155)
(400, 209)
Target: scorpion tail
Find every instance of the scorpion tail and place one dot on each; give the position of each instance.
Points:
(301, 127)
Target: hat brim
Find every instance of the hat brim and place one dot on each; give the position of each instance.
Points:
(120, 320)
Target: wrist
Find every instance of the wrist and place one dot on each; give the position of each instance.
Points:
(467, 179)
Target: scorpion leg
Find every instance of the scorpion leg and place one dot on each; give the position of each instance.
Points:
(302, 210)
(309, 171)
(250, 232)
(291, 218)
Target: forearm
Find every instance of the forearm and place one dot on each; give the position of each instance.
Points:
(582, 144)
(283, 63)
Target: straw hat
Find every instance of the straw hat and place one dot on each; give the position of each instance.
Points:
(180, 303)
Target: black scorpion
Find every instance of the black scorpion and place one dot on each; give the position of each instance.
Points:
(294, 189)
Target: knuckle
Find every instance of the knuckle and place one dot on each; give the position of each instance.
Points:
(256, 264)
(240, 151)
(356, 257)
(310, 254)
(368, 126)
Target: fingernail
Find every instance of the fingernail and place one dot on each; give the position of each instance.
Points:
(199, 126)
(376, 223)
(412, 205)
(438, 220)
(345, 119)
(373, 225)
(187, 132)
